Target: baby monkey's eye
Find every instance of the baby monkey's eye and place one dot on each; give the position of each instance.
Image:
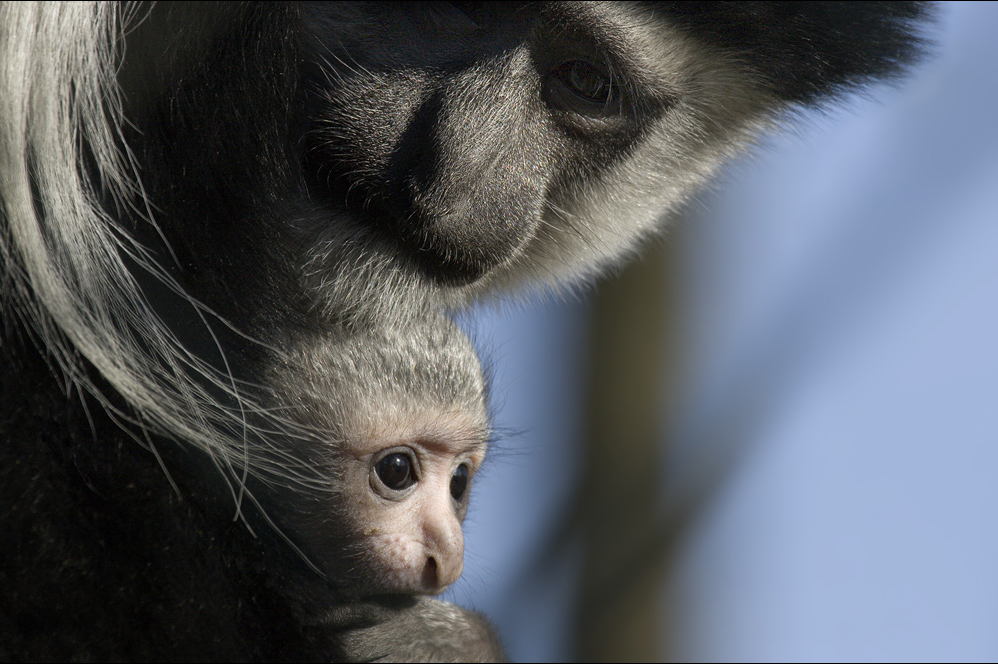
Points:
(397, 471)
(459, 482)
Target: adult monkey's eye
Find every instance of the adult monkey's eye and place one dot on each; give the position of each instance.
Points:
(584, 88)
(396, 471)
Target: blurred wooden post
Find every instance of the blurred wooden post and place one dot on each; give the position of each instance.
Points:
(630, 342)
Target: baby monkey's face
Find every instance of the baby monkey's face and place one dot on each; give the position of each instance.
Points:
(393, 428)
(404, 503)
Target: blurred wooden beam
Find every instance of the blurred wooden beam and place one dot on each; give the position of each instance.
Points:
(631, 342)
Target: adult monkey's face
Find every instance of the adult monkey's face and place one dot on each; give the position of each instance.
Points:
(373, 158)
(493, 143)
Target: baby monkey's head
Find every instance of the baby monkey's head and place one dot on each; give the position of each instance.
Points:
(392, 428)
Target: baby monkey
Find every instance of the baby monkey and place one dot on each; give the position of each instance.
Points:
(388, 427)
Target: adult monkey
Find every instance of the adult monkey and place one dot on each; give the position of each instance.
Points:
(204, 208)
